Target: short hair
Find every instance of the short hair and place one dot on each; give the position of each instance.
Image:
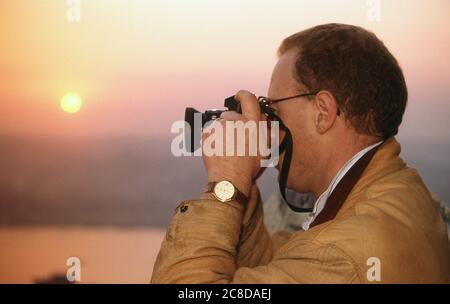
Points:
(357, 68)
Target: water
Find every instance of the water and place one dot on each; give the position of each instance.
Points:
(106, 255)
(131, 182)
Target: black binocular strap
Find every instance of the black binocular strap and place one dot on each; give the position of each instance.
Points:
(286, 146)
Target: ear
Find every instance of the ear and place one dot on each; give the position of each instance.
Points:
(327, 111)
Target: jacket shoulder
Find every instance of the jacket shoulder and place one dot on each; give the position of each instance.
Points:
(396, 221)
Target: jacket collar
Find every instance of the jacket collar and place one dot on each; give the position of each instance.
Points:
(385, 161)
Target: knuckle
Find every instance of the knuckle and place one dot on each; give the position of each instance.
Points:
(243, 94)
(230, 115)
(225, 115)
(222, 122)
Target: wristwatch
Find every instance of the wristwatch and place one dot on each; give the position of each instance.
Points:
(225, 191)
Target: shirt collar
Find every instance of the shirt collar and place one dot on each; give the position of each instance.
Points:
(321, 201)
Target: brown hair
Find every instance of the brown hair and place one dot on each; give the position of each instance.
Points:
(357, 68)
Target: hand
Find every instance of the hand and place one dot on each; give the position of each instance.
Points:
(240, 170)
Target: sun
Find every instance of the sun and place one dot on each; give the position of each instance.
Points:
(71, 103)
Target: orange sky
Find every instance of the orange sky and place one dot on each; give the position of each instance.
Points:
(138, 63)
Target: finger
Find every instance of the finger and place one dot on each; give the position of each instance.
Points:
(231, 115)
(249, 105)
(210, 127)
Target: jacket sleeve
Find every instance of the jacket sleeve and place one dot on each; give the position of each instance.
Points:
(212, 242)
(207, 241)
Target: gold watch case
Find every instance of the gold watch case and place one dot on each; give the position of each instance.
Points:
(224, 191)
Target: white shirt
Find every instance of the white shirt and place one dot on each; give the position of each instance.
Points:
(321, 201)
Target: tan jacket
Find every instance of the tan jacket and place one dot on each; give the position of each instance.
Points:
(389, 215)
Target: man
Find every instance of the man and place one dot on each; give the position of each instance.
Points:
(374, 219)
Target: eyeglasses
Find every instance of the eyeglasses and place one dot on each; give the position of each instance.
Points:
(270, 102)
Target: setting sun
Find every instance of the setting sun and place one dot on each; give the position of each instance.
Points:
(71, 103)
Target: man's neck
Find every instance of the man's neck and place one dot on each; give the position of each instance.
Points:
(339, 156)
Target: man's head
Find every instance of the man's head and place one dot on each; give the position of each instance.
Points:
(361, 98)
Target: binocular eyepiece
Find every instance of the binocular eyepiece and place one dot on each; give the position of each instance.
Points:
(196, 120)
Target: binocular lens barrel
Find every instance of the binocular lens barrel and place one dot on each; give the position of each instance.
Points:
(196, 120)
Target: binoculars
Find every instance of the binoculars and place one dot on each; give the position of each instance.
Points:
(196, 120)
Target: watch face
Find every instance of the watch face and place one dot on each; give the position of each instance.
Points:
(224, 191)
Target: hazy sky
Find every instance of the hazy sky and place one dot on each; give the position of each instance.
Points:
(137, 64)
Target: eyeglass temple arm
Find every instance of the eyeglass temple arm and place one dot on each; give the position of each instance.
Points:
(272, 101)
